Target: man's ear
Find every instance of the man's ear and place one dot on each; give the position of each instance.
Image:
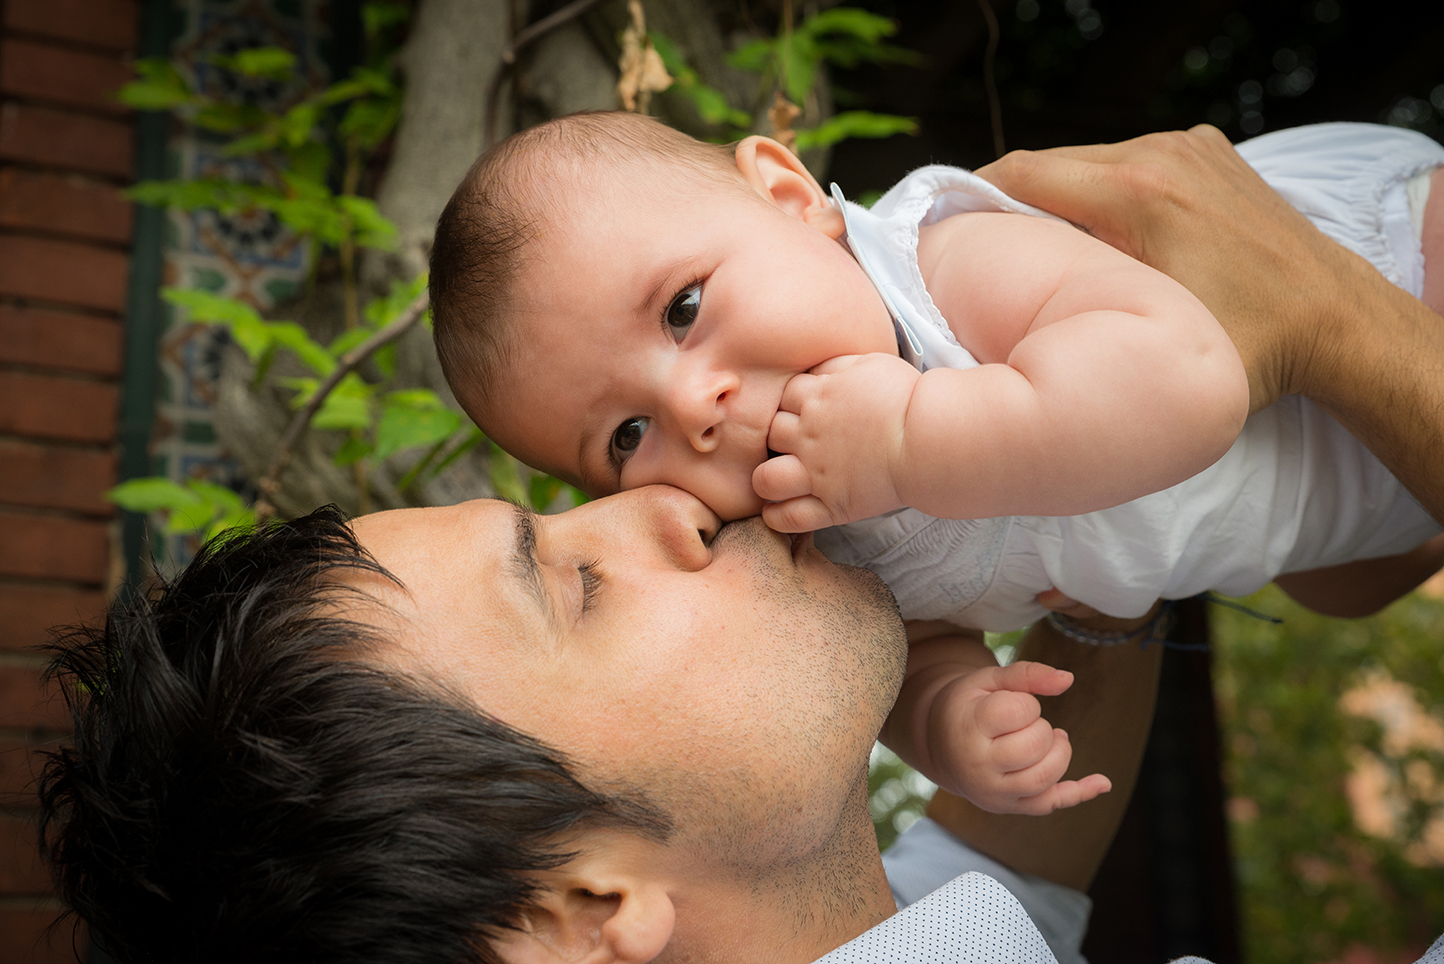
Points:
(591, 918)
(779, 176)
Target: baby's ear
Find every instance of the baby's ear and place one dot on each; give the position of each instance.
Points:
(779, 176)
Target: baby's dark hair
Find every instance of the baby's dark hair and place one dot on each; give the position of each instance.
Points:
(502, 204)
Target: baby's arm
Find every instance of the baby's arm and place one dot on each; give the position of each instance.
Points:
(1102, 380)
(975, 729)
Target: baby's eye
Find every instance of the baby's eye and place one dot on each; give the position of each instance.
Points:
(682, 312)
(626, 439)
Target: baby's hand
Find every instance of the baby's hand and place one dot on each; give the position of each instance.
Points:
(988, 741)
(840, 429)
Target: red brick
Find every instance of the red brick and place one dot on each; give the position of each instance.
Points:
(64, 204)
(39, 135)
(53, 477)
(63, 272)
(53, 547)
(20, 766)
(24, 704)
(101, 23)
(58, 339)
(28, 611)
(21, 871)
(24, 939)
(46, 72)
(42, 406)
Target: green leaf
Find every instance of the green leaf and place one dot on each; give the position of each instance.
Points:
(203, 306)
(755, 57)
(380, 312)
(348, 340)
(800, 59)
(225, 118)
(543, 491)
(224, 196)
(160, 86)
(378, 15)
(348, 405)
(865, 26)
(385, 360)
(473, 437)
(151, 495)
(854, 123)
(224, 499)
(244, 516)
(291, 336)
(272, 63)
(413, 418)
(297, 123)
(353, 450)
(189, 518)
(372, 228)
(506, 476)
(368, 122)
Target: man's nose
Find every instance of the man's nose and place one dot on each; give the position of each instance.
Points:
(678, 523)
(700, 404)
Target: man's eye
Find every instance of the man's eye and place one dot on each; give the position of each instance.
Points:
(682, 312)
(627, 437)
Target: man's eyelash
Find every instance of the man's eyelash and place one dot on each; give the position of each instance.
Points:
(591, 584)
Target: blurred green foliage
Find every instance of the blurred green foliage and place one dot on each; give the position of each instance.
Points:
(1311, 881)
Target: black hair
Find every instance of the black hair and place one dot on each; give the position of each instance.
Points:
(245, 786)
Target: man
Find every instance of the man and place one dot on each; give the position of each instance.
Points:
(618, 733)
(604, 738)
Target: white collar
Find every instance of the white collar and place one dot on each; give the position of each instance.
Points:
(973, 919)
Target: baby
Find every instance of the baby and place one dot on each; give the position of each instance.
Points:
(984, 402)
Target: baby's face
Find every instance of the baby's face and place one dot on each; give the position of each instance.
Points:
(655, 332)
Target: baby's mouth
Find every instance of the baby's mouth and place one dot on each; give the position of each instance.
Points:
(772, 454)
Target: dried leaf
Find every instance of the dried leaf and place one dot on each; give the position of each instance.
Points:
(643, 72)
(781, 116)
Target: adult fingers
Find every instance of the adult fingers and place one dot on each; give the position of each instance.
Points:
(806, 514)
(781, 478)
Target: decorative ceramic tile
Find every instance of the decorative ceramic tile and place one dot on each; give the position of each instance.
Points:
(250, 256)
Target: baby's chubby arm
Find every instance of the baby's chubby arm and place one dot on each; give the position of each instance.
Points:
(1101, 380)
(976, 729)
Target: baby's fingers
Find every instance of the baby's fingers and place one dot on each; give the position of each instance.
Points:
(797, 515)
(1068, 793)
(1019, 749)
(1006, 712)
(1026, 676)
(781, 478)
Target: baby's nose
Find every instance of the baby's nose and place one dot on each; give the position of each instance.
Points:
(703, 409)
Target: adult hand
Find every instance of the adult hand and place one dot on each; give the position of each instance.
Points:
(1307, 316)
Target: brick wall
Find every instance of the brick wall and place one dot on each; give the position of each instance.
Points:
(65, 148)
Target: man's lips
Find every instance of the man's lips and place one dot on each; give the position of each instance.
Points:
(801, 542)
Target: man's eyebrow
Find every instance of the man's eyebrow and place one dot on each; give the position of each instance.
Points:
(523, 557)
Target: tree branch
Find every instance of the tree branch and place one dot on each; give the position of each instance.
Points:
(527, 35)
(270, 484)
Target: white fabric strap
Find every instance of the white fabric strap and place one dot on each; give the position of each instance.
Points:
(971, 920)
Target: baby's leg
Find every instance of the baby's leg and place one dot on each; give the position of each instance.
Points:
(1432, 238)
(1365, 586)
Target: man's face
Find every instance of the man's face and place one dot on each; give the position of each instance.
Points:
(742, 682)
(658, 318)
